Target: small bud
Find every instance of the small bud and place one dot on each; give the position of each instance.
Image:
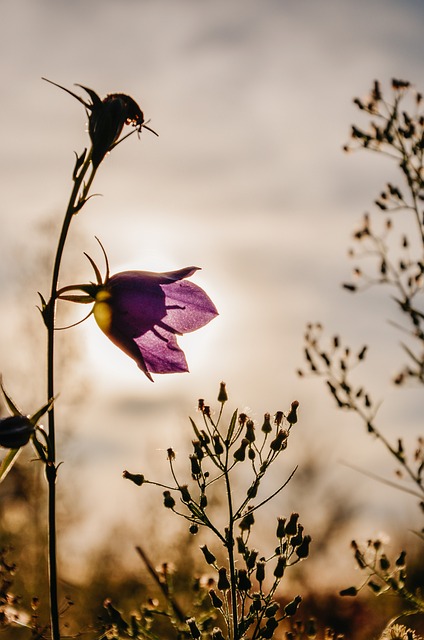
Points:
(256, 605)
(292, 415)
(201, 404)
(198, 451)
(15, 431)
(279, 441)
(240, 453)
(217, 445)
(243, 580)
(170, 454)
(384, 563)
(303, 549)
(260, 571)
(291, 526)
(242, 419)
(194, 528)
(272, 609)
(280, 568)
(400, 562)
(250, 431)
(281, 527)
(223, 584)
(291, 608)
(247, 521)
(209, 557)
(185, 494)
(222, 395)
(241, 547)
(251, 559)
(195, 466)
(217, 634)
(194, 629)
(137, 478)
(168, 500)
(278, 418)
(203, 500)
(267, 427)
(215, 599)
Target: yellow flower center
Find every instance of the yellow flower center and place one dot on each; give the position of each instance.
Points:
(103, 310)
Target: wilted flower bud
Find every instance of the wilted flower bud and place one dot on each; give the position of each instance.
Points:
(137, 478)
(281, 527)
(215, 599)
(242, 419)
(291, 526)
(209, 557)
(251, 559)
(292, 415)
(260, 571)
(243, 580)
(195, 466)
(291, 608)
(198, 449)
(271, 609)
(223, 584)
(15, 431)
(279, 441)
(240, 454)
(217, 445)
(280, 568)
(203, 502)
(303, 549)
(185, 494)
(250, 431)
(168, 500)
(278, 418)
(217, 634)
(222, 395)
(267, 427)
(247, 521)
(194, 629)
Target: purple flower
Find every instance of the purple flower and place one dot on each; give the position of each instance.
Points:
(143, 312)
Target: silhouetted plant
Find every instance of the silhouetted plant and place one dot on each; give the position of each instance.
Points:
(243, 592)
(396, 253)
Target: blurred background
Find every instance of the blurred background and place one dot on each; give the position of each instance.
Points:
(252, 101)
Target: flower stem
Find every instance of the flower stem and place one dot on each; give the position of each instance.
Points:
(230, 547)
(76, 201)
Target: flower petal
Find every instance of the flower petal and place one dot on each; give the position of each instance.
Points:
(187, 306)
(160, 352)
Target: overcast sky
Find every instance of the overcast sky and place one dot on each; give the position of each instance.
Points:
(252, 100)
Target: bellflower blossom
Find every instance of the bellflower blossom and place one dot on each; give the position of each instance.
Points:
(143, 312)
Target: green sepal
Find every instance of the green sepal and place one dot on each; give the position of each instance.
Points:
(79, 299)
(12, 406)
(8, 462)
(35, 418)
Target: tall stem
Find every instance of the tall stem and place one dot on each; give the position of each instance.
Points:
(76, 200)
(230, 547)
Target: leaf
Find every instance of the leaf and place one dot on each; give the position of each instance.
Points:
(8, 462)
(232, 426)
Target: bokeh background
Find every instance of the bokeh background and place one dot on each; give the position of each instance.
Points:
(252, 100)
